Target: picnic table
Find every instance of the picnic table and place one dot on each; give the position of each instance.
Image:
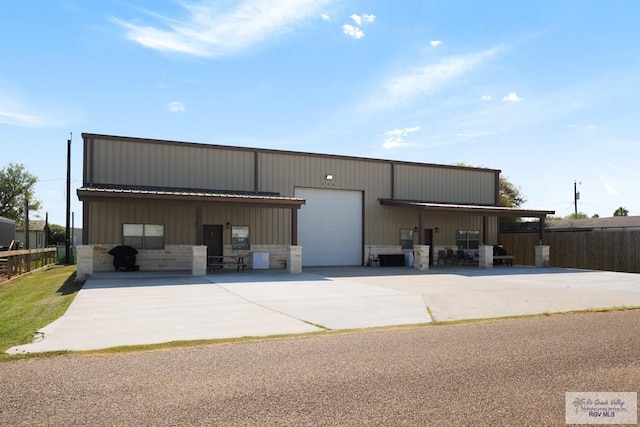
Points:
(220, 261)
(504, 259)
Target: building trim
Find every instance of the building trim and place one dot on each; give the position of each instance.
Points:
(467, 209)
(97, 194)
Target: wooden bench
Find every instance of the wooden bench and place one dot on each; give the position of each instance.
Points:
(215, 262)
(506, 259)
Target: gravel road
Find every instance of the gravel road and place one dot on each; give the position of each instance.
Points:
(501, 373)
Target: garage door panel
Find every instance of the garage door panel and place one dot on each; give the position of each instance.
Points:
(330, 227)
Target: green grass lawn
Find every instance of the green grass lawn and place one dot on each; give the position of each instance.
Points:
(30, 302)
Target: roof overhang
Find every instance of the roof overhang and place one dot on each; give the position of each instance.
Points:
(466, 209)
(102, 194)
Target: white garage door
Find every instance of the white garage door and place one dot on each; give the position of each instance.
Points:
(330, 227)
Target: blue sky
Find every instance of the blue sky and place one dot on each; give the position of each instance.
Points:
(545, 91)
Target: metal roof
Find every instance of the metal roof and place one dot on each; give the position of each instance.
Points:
(181, 195)
(467, 209)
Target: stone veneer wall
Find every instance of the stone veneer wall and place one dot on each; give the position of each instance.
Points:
(95, 258)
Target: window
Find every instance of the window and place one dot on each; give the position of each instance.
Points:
(406, 238)
(143, 236)
(240, 237)
(468, 239)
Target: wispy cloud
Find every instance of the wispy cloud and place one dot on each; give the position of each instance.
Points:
(211, 31)
(396, 138)
(429, 78)
(17, 110)
(512, 97)
(326, 16)
(486, 97)
(20, 119)
(176, 107)
(435, 43)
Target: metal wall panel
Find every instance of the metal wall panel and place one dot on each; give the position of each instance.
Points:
(266, 226)
(106, 221)
(182, 165)
(148, 163)
(447, 185)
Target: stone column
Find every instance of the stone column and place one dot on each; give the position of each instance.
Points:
(421, 260)
(84, 254)
(485, 254)
(294, 259)
(199, 261)
(542, 256)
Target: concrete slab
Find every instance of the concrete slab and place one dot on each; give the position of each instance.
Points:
(117, 309)
(335, 304)
(456, 293)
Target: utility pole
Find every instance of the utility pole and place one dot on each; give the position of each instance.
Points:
(67, 237)
(576, 197)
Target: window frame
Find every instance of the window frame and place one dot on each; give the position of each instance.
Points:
(463, 240)
(240, 238)
(406, 243)
(147, 237)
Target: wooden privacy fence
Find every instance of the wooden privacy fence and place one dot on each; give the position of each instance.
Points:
(614, 250)
(15, 263)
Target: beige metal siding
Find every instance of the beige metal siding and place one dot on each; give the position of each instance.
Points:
(447, 185)
(106, 221)
(124, 162)
(284, 172)
(183, 165)
(266, 226)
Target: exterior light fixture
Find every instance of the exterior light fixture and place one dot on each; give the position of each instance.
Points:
(228, 226)
(328, 177)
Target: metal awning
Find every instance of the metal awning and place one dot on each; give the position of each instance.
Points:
(129, 194)
(467, 209)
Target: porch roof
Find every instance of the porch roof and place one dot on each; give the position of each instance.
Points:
(228, 198)
(467, 209)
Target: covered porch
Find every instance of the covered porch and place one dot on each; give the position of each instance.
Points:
(425, 253)
(183, 216)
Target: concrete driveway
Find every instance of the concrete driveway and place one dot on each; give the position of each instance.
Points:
(120, 309)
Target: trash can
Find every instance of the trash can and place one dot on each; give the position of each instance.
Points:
(260, 260)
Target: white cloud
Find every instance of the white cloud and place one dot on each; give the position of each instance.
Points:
(486, 97)
(512, 97)
(176, 107)
(435, 43)
(396, 138)
(22, 120)
(326, 16)
(352, 31)
(369, 18)
(366, 18)
(429, 78)
(209, 30)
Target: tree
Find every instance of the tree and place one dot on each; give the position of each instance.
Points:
(510, 195)
(57, 234)
(580, 215)
(621, 212)
(16, 186)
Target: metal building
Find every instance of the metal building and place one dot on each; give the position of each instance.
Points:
(166, 197)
